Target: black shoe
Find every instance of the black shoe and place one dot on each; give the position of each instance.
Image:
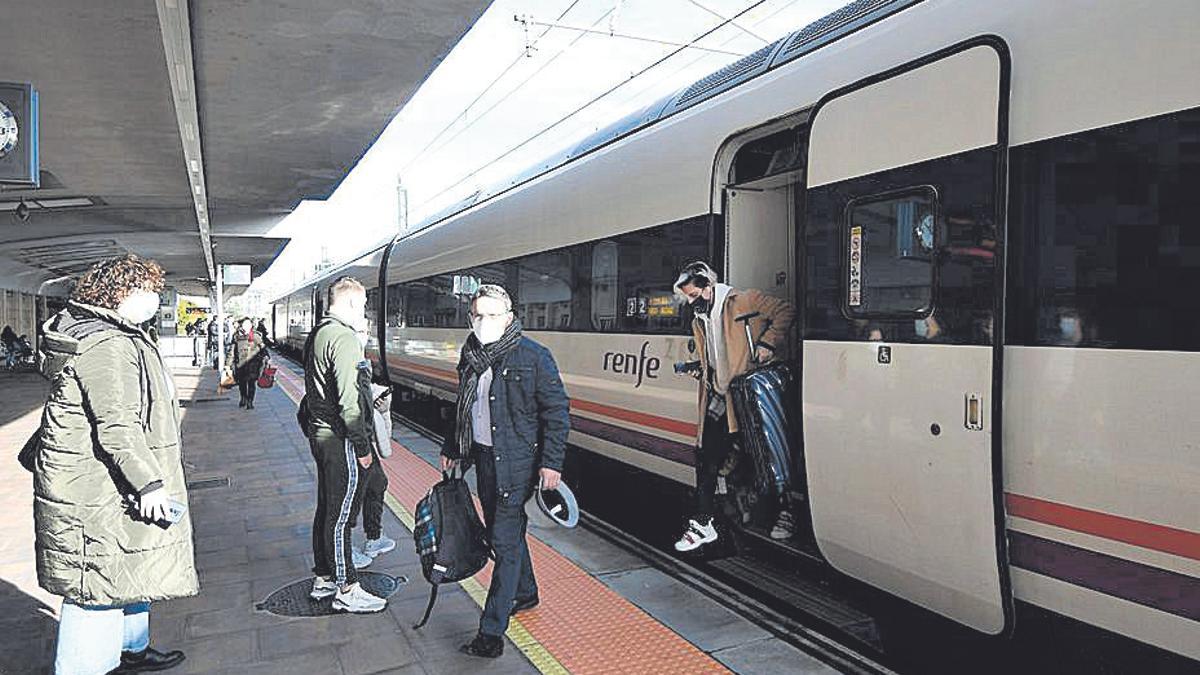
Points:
(522, 605)
(148, 661)
(487, 646)
(242, 403)
(250, 405)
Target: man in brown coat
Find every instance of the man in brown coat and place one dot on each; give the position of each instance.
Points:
(724, 354)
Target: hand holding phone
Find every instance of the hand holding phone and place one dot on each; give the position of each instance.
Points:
(156, 507)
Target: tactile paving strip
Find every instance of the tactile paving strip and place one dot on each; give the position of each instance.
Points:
(581, 625)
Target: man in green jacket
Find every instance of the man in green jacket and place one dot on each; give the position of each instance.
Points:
(108, 475)
(342, 437)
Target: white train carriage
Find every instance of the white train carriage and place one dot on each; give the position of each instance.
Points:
(985, 213)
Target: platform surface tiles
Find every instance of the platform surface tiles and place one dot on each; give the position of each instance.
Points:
(252, 491)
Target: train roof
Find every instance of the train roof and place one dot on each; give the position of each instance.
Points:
(827, 29)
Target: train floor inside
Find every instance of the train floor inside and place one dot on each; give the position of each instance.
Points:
(251, 477)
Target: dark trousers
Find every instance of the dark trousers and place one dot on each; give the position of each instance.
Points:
(375, 484)
(714, 448)
(504, 516)
(247, 386)
(339, 497)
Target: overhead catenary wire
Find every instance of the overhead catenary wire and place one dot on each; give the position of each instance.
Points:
(624, 36)
(481, 94)
(590, 102)
(512, 91)
(736, 25)
(698, 58)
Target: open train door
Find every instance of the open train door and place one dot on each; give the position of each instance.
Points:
(902, 248)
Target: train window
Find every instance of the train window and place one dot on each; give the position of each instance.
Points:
(888, 254)
(395, 306)
(372, 310)
(622, 284)
(433, 302)
(544, 291)
(1104, 241)
(646, 263)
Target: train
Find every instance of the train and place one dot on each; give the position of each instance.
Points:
(985, 215)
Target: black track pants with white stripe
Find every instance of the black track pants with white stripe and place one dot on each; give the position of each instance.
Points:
(339, 498)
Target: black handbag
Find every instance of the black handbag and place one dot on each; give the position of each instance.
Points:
(28, 455)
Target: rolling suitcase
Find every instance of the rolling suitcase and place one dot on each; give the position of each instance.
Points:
(764, 401)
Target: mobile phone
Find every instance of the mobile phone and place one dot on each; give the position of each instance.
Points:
(175, 511)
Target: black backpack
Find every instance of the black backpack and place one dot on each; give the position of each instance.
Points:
(449, 535)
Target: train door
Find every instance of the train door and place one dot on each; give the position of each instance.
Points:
(902, 247)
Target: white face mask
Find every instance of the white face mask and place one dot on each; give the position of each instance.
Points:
(139, 306)
(489, 329)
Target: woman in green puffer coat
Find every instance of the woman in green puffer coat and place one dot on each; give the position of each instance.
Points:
(107, 470)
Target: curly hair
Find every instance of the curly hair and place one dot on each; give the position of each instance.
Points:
(110, 281)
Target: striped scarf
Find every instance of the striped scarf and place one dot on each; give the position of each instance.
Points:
(476, 359)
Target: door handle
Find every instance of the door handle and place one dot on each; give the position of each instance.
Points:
(974, 412)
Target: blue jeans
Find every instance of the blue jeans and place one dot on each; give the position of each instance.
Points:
(504, 516)
(91, 639)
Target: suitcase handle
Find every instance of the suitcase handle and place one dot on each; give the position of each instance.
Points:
(745, 321)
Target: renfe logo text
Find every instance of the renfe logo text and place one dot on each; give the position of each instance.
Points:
(633, 364)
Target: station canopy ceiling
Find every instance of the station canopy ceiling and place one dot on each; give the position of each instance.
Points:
(170, 128)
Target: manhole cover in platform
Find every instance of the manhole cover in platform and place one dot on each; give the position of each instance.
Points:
(293, 600)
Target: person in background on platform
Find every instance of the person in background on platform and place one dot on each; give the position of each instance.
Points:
(512, 422)
(213, 347)
(8, 338)
(725, 354)
(199, 333)
(342, 439)
(110, 502)
(378, 398)
(247, 356)
(264, 333)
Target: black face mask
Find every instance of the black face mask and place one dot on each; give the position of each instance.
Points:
(700, 305)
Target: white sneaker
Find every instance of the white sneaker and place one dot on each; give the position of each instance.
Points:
(360, 559)
(376, 547)
(785, 526)
(696, 536)
(322, 588)
(358, 601)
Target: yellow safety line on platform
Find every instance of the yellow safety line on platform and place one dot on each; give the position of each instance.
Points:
(538, 655)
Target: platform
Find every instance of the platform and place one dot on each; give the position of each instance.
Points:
(603, 609)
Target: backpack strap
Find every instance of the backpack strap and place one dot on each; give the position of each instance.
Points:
(435, 581)
(433, 592)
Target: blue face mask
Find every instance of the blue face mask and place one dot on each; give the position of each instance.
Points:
(921, 326)
(1068, 325)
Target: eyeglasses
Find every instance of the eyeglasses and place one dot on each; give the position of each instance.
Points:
(489, 315)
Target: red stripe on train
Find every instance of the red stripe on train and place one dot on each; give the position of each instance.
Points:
(645, 419)
(1147, 535)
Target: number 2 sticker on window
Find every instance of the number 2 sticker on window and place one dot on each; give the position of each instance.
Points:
(854, 284)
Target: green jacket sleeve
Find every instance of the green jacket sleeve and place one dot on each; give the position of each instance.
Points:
(110, 378)
(345, 356)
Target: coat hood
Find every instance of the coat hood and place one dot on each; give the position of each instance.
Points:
(77, 328)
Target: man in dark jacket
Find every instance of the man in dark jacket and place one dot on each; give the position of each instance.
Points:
(512, 422)
(342, 439)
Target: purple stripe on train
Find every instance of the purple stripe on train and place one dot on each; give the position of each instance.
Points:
(660, 447)
(1161, 589)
